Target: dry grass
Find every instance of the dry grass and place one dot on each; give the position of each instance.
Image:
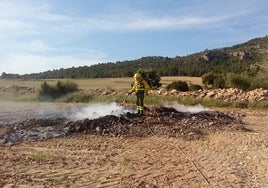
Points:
(85, 84)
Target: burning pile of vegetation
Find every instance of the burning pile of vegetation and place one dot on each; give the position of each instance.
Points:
(157, 121)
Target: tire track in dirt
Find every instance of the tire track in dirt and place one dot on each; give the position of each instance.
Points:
(227, 159)
(236, 158)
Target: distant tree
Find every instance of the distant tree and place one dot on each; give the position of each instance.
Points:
(151, 77)
(10, 76)
(3, 75)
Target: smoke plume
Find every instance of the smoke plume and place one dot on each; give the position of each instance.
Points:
(183, 108)
(96, 110)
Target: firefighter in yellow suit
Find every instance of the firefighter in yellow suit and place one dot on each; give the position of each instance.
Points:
(140, 87)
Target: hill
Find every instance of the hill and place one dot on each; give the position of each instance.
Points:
(249, 57)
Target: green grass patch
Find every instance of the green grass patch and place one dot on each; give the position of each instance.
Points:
(188, 101)
(42, 156)
(259, 105)
(87, 97)
(76, 97)
(19, 97)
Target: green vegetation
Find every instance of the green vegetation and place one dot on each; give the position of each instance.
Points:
(213, 80)
(76, 97)
(151, 77)
(179, 86)
(189, 101)
(42, 156)
(195, 87)
(86, 97)
(49, 92)
(15, 96)
(231, 80)
(240, 82)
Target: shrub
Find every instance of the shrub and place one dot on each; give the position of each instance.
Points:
(259, 83)
(77, 97)
(208, 79)
(195, 87)
(178, 85)
(213, 80)
(240, 104)
(48, 92)
(240, 82)
(218, 82)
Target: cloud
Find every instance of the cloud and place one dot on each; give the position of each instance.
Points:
(39, 17)
(136, 22)
(30, 63)
(42, 35)
(32, 17)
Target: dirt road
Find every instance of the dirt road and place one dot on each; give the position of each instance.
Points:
(221, 159)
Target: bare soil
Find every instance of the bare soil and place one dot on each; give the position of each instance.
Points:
(229, 157)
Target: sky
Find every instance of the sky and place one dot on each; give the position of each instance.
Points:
(42, 35)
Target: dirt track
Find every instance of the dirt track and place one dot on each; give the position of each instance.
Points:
(221, 159)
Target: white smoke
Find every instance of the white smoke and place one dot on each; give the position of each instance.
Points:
(96, 110)
(183, 108)
(76, 111)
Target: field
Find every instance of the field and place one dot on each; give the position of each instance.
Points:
(227, 157)
(109, 83)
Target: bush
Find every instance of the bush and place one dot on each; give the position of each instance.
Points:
(213, 80)
(76, 97)
(48, 92)
(240, 82)
(178, 85)
(259, 83)
(208, 79)
(195, 87)
(218, 82)
(240, 104)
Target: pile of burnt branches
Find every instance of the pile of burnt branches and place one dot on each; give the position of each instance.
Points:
(157, 121)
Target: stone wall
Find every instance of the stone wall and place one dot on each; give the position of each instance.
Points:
(229, 95)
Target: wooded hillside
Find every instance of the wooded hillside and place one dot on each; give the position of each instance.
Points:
(247, 57)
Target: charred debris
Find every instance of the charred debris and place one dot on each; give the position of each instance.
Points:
(157, 121)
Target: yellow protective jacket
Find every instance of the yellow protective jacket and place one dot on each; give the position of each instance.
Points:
(140, 86)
